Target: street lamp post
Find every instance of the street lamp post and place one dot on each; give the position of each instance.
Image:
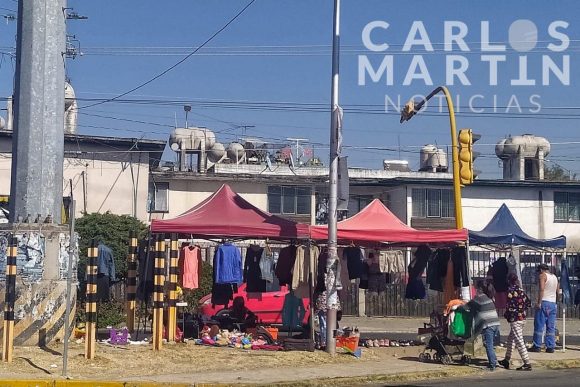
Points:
(412, 108)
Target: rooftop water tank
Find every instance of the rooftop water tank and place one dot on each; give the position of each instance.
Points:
(190, 139)
(526, 146)
(216, 153)
(432, 159)
(235, 151)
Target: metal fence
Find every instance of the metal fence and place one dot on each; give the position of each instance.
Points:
(392, 302)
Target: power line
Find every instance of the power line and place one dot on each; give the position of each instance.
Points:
(178, 63)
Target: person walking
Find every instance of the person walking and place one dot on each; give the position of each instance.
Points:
(485, 319)
(517, 306)
(546, 310)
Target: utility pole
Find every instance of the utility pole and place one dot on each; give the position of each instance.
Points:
(38, 137)
(332, 261)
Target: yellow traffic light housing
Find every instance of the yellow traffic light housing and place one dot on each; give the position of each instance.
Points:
(466, 155)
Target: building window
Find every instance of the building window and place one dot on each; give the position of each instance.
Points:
(432, 203)
(357, 203)
(289, 200)
(157, 200)
(567, 206)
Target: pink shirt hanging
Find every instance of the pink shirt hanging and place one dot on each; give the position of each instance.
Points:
(189, 264)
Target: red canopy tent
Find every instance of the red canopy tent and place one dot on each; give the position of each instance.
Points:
(375, 223)
(227, 214)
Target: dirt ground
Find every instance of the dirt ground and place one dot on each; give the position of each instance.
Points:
(113, 363)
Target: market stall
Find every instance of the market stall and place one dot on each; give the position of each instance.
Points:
(225, 217)
(504, 235)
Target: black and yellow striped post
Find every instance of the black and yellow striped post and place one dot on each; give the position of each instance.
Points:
(131, 284)
(10, 298)
(91, 303)
(173, 272)
(158, 285)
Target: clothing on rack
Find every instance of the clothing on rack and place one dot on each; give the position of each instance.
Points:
(448, 284)
(105, 261)
(252, 271)
(103, 287)
(377, 279)
(415, 289)
(498, 273)
(190, 266)
(285, 265)
(565, 282)
(293, 311)
(354, 261)
(305, 257)
(222, 294)
(146, 265)
(320, 271)
(267, 266)
(437, 269)
(227, 263)
(391, 261)
(460, 275)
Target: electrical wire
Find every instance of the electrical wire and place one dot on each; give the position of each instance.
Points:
(176, 64)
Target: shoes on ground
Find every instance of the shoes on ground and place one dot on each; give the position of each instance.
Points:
(549, 350)
(533, 348)
(504, 363)
(525, 367)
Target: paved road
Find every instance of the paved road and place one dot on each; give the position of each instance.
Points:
(506, 378)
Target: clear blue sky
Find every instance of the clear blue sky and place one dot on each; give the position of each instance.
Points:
(286, 58)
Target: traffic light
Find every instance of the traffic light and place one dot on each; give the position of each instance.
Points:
(467, 155)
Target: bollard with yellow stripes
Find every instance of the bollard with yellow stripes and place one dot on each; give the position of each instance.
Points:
(173, 272)
(158, 285)
(131, 284)
(91, 301)
(10, 298)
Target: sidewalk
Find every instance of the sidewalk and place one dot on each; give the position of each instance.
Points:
(410, 324)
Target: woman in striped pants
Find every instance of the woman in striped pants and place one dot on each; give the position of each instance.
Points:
(517, 305)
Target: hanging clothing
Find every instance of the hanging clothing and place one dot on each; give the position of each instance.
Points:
(354, 261)
(190, 266)
(252, 271)
(460, 275)
(105, 261)
(267, 266)
(437, 269)
(301, 272)
(391, 261)
(285, 265)
(377, 279)
(103, 287)
(415, 289)
(222, 294)
(448, 285)
(146, 265)
(293, 311)
(565, 283)
(227, 263)
(499, 272)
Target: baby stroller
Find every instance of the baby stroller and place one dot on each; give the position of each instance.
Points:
(439, 346)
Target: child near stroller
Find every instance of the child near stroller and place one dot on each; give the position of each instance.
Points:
(449, 332)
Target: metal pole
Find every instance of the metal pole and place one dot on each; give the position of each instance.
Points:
(455, 156)
(331, 267)
(71, 252)
(131, 284)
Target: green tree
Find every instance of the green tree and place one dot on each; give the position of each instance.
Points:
(557, 173)
(113, 230)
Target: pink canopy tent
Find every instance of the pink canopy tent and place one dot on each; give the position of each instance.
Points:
(227, 214)
(376, 223)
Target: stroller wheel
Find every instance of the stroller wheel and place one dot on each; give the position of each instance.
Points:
(435, 357)
(428, 356)
(423, 357)
(446, 359)
(465, 360)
